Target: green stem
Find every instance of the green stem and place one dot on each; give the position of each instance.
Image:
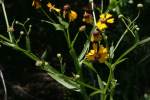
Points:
(7, 22)
(47, 15)
(94, 17)
(110, 77)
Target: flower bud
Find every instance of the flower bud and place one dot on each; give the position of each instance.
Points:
(120, 16)
(137, 28)
(130, 1)
(16, 22)
(10, 29)
(82, 28)
(139, 5)
(21, 32)
(58, 55)
(30, 26)
(45, 63)
(38, 63)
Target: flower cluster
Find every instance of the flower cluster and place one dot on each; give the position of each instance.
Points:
(67, 12)
(98, 51)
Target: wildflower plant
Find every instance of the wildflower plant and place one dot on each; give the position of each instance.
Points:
(97, 47)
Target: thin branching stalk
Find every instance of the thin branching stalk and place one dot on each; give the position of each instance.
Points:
(6, 20)
(128, 29)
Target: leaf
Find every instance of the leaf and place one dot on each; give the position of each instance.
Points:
(111, 50)
(118, 62)
(84, 50)
(100, 82)
(144, 41)
(89, 65)
(96, 92)
(44, 55)
(113, 4)
(87, 85)
(75, 38)
(4, 38)
(58, 26)
(62, 79)
(64, 23)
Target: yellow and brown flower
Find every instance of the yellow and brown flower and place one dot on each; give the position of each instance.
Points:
(104, 20)
(87, 18)
(72, 15)
(52, 7)
(36, 4)
(98, 53)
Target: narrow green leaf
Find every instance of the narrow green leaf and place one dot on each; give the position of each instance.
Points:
(87, 85)
(111, 51)
(89, 66)
(96, 92)
(100, 82)
(75, 38)
(44, 55)
(4, 38)
(144, 41)
(58, 26)
(113, 4)
(74, 56)
(84, 51)
(62, 22)
(62, 79)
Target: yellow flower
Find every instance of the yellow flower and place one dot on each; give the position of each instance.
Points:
(98, 53)
(104, 20)
(36, 4)
(91, 55)
(52, 7)
(72, 15)
(103, 54)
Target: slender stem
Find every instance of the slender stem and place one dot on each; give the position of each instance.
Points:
(7, 22)
(102, 6)
(3, 81)
(68, 38)
(47, 15)
(94, 17)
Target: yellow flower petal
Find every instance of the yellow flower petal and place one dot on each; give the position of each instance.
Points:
(50, 6)
(57, 10)
(102, 16)
(110, 20)
(103, 54)
(101, 26)
(91, 55)
(108, 15)
(103, 58)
